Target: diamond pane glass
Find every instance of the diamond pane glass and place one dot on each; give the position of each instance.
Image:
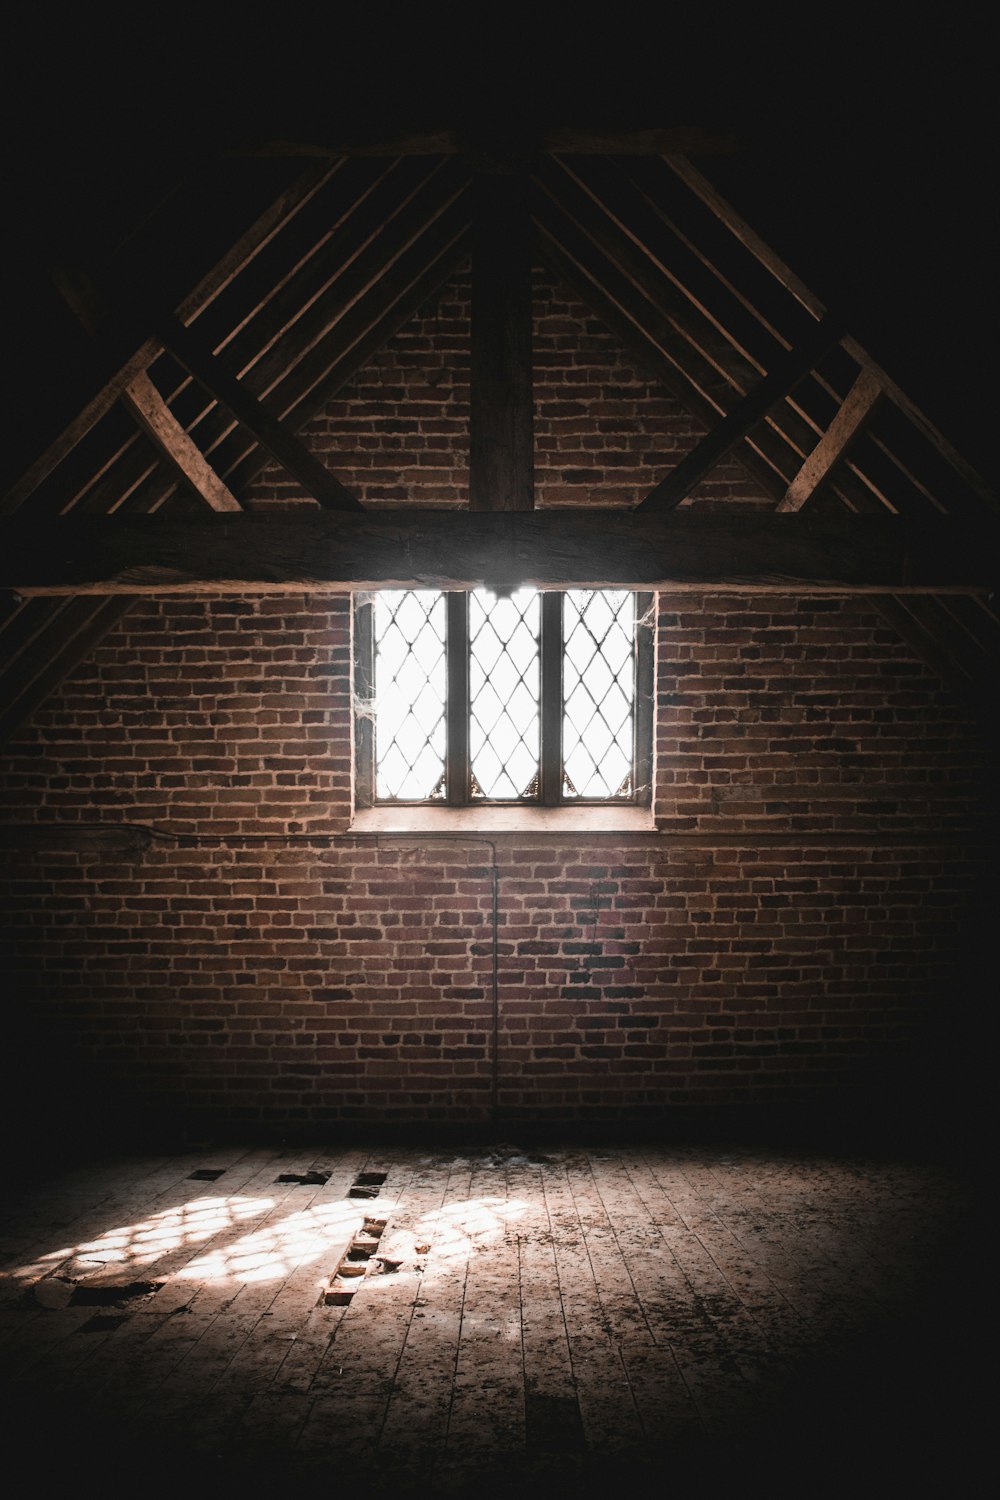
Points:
(598, 692)
(410, 686)
(504, 679)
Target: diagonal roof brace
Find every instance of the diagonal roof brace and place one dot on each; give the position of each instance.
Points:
(144, 401)
(723, 438)
(175, 443)
(856, 408)
(282, 444)
(126, 348)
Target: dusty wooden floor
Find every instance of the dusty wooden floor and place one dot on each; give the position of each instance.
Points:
(780, 1318)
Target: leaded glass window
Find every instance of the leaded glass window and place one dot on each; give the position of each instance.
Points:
(532, 697)
(504, 694)
(598, 696)
(410, 694)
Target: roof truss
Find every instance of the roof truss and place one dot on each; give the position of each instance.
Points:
(184, 400)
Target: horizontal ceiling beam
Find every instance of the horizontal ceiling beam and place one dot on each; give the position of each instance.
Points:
(435, 140)
(322, 553)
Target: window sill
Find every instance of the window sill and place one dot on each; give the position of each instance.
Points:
(402, 819)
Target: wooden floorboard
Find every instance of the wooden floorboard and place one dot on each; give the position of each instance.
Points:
(520, 1317)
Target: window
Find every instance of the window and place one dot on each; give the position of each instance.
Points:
(532, 698)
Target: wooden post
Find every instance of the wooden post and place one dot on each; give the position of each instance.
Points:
(501, 435)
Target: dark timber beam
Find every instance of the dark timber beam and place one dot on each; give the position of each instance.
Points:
(199, 360)
(856, 409)
(687, 550)
(779, 382)
(435, 140)
(501, 413)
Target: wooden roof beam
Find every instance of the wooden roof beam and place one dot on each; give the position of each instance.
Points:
(124, 351)
(652, 357)
(772, 262)
(393, 299)
(857, 407)
(435, 140)
(581, 548)
(730, 432)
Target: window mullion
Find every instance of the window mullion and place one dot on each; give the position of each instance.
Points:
(551, 769)
(458, 778)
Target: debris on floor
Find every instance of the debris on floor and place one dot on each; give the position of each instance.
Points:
(354, 1264)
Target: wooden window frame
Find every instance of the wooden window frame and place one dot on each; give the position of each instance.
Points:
(458, 774)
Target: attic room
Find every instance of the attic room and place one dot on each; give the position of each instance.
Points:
(497, 723)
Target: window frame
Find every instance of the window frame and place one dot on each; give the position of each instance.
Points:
(457, 763)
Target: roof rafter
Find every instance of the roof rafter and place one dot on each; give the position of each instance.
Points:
(738, 226)
(585, 275)
(84, 625)
(390, 297)
(123, 351)
(705, 330)
(591, 276)
(700, 301)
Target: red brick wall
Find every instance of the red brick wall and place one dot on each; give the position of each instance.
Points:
(604, 434)
(797, 933)
(282, 973)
